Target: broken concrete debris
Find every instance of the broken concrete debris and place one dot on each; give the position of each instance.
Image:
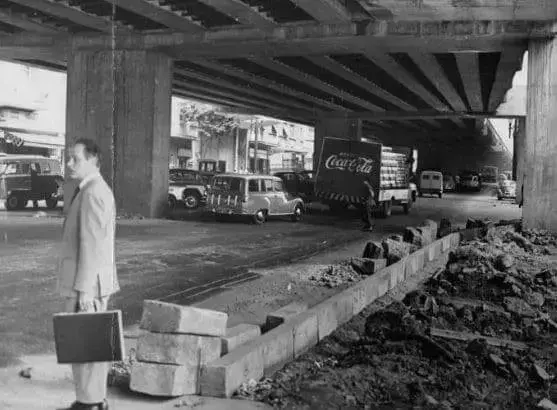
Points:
(479, 334)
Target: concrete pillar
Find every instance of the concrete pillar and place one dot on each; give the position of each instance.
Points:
(519, 148)
(337, 128)
(122, 100)
(540, 186)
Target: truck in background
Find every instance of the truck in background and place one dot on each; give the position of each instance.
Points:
(489, 174)
(345, 164)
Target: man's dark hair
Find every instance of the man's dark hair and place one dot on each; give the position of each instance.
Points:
(90, 148)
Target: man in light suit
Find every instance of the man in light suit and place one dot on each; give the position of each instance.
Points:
(87, 271)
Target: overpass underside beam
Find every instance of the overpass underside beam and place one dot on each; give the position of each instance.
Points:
(121, 99)
(540, 186)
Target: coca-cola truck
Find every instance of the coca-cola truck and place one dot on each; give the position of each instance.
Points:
(344, 165)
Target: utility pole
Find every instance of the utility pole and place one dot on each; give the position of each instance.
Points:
(256, 148)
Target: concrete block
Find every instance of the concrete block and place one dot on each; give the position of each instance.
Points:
(367, 266)
(306, 332)
(278, 317)
(445, 243)
(188, 350)
(433, 226)
(277, 348)
(167, 380)
(373, 250)
(222, 377)
(433, 251)
(334, 311)
(414, 263)
(455, 240)
(238, 335)
(428, 235)
(364, 293)
(384, 281)
(165, 317)
(397, 271)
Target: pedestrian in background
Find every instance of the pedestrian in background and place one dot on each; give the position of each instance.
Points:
(368, 204)
(87, 269)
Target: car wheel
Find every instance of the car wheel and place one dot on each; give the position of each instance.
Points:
(171, 202)
(52, 202)
(298, 213)
(191, 200)
(259, 217)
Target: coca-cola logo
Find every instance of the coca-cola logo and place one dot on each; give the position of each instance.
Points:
(341, 162)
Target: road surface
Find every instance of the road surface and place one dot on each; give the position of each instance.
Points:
(181, 261)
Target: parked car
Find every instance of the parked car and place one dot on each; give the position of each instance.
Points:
(449, 183)
(506, 188)
(469, 182)
(258, 197)
(25, 178)
(431, 182)
(187, 187)
(298, 183)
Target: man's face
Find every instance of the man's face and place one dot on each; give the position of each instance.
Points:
(78, 164)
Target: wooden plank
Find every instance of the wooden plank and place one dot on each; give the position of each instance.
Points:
(313, 82)
(473, 303)
(324, 10)
(344, 72)
(510, 62)
(165, 16)
(26, 23)
(241, 12)
(469, 68)
(236, 72)
(244, 91)
(74, 14)
(466, 337)
(461, 11)
(435, 73)
(398, 73)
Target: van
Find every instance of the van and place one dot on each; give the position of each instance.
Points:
(431, 182)
(25, 178)
(255, 196)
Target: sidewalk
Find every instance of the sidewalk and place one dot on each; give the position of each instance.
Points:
(50, 385)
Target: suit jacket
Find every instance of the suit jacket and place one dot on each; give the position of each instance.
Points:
(87, 261)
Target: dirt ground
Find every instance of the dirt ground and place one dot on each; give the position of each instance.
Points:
(388, 357)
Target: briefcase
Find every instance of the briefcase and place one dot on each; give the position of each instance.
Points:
(89, 337)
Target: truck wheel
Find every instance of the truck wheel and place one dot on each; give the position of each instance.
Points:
(259, 217)
(386, 209)
(13, 202)
(52, 202)
(191, 199)
(298, 213)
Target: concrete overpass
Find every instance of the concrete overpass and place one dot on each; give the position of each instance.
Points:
(404, 70)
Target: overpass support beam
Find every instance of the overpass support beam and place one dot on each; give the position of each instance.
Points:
(337, 128)
(540, 187)
(519, 152)
(121, 99)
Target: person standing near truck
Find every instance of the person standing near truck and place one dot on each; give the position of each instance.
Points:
(368, 203)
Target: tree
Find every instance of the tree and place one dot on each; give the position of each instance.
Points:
(214, 127)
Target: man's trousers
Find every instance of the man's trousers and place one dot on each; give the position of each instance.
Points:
(90, 379)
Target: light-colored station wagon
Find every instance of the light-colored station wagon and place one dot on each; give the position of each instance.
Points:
(256, 196)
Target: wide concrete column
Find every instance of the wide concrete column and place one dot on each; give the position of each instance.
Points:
(122, 99)
(540, 187)
(336, 128)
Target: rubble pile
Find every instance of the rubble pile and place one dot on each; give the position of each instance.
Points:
(336, 275)
(480, 334)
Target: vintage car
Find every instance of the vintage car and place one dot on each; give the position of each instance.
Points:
(258, 197)
(187, 187)
(506, 189)
(469, 181)
(298, 183)
(25, 178)
(449, 183)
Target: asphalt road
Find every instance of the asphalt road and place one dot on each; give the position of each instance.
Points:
(181, 261)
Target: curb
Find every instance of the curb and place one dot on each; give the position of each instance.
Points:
(270, 351)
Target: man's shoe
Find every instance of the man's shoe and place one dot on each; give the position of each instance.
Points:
(76, 405)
